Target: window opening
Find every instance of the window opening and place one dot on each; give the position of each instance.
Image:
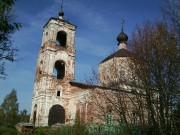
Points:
(58, 93)
(61, 38)
(122, 115)
(122, 73)
(109, 118)
(60, 69)
(134, 117)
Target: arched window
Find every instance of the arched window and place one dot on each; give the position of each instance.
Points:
(59, 71)
(61, 38)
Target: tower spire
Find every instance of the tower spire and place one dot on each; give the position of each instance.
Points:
(122, 27)
(61, 13)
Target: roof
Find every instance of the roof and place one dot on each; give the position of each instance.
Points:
(82, 85)
(90, 86)
(61, 20)
(119, 53)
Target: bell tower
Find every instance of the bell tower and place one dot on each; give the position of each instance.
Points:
(57, 54)
(55, 69)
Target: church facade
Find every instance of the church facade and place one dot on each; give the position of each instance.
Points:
(57, 97)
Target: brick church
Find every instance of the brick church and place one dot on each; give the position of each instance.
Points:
(57, 97)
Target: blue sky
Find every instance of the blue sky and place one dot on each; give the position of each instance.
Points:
(99, 23)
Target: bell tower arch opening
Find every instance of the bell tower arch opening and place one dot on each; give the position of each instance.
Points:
(59, 69)
(61, 38)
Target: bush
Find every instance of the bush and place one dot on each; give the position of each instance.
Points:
(8, 131)
(63, 130)
(43, 131)
(77, 129)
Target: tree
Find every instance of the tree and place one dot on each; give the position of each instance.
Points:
(10, 109)
(1, 117)
(154, 75)
(117, 96)
(24, 117)
(171, 14)
(7, 27)
(148, 91)
(156, 65)
(79, 127)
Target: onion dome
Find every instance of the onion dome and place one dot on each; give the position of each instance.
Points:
(61, 13)
(122, 37)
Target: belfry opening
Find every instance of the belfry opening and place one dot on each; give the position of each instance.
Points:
(59, 70)
(61, 38)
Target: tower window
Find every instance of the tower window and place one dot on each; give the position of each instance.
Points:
(61, 38)
(134, 117)
(58, 93)
(122, 73)
(108, 116)
(60, 70)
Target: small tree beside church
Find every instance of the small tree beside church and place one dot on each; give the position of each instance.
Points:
(10, 109)
(23, 116)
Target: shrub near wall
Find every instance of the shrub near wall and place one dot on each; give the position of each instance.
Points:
(77, 129)
(64, 130)
(8, 131)
(43, 131)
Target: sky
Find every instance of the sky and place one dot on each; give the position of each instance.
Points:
(98, 24)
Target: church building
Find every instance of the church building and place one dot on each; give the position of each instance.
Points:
(57, 97)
